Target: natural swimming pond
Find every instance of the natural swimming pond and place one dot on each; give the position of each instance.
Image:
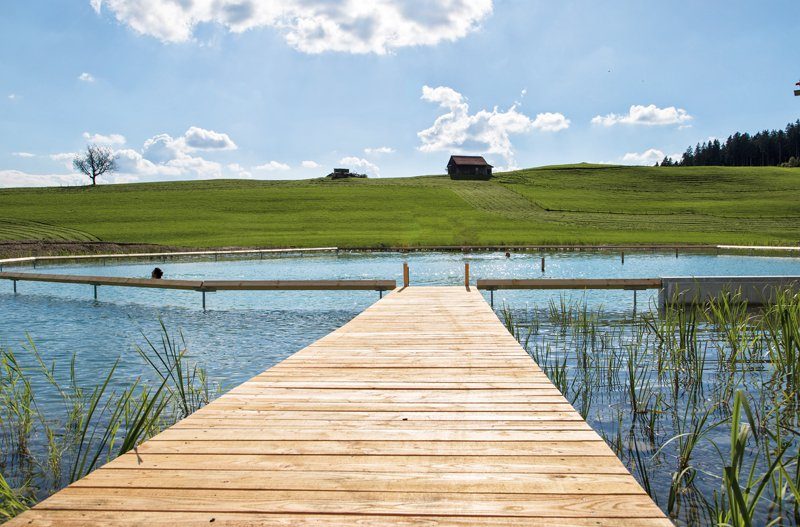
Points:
(587, 342)
(245, 332)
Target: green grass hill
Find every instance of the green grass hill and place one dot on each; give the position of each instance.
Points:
(576, 204)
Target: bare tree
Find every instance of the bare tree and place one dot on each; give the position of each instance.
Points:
(95, 162)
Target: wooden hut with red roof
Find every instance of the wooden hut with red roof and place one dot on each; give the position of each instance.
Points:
(469, 167)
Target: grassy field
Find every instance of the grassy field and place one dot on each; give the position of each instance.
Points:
(577, 204)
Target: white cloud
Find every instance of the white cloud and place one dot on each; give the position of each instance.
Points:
(105, 140)
(310, 164)
(134, 163)
(272, 166)
(16, 178)
(551, 122)
(485, 132)
(163, 147)
(358, 164)
(65, 158)
(647, 158)
(161, 157)
(86, 77)
(311, 26)
(379, 150)
(13, 96)
(23, 154)
(647, 116)
(201, 139)
(239, 171)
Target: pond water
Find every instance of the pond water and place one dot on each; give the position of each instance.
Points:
(244, 332)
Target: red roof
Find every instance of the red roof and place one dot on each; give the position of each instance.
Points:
(469, 161)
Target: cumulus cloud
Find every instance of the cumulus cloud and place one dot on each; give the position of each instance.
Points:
(239, 171)
(201, 139)
(273, 166)
(162, 148)
(105, 140)
(311, 26)
(649, 157)
(310, 164)
(358, 164)
(86, 77)
(379, 150)
(17, 178)
(485, 132)
(23, 154)
(551, 122)
(163, 156)
(646, 116)
(13, 96)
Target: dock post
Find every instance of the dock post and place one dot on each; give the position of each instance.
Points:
(406, 278)
(676, 252)
(95, 292)
(15, 286)
(543, 264)
(634, 303)
(466, 275)
(380, 293)
(622, 254)
(204, 300)
(491, 297)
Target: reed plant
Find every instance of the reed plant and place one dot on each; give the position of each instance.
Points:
(700, 401)
(45, 446)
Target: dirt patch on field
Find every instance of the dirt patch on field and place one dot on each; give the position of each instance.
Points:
(19, 249)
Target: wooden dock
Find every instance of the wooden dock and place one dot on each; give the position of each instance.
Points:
(423, 410)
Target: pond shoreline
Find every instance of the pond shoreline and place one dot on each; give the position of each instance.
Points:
(41, 249)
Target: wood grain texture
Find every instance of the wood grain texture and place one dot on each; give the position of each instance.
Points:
(422, 411)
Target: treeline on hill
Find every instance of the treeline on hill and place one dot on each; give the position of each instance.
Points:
(767, 148)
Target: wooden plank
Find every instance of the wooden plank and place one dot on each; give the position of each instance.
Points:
(526, 464)
(423, 410)
(347, 502)
(324, 480)
(70, 518)
(208, 285)
(572, 283)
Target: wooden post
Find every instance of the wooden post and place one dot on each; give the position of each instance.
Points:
(15, 286)
(543, 264)
(634, 303)
(95, 292)
(676, 252)
(406, 279)
(622, 254)
(466, 275)
(204, 300)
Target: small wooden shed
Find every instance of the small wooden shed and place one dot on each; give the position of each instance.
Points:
(469, 167)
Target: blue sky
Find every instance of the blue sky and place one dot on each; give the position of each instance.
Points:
(291, 88)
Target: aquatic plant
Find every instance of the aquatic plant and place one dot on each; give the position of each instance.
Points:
(699, 401)
(89, 426)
